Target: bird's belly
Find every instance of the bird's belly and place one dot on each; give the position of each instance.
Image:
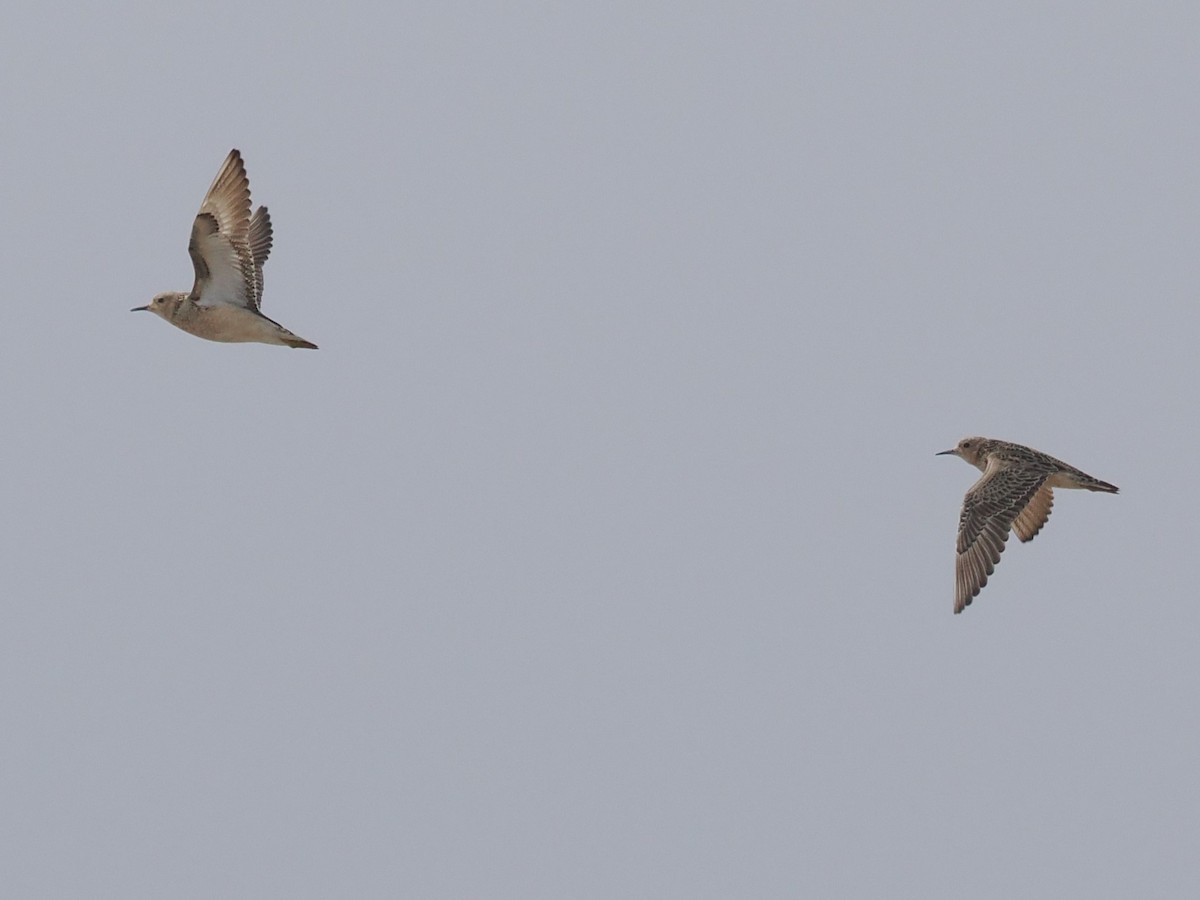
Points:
(231, 325)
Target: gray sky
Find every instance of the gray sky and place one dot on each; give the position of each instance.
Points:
(601, 550)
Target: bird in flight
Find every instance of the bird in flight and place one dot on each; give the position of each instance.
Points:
(228, 248)
(1015, 492)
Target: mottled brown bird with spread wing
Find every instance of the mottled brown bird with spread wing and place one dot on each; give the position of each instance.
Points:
(228, 248)
(1015, 492)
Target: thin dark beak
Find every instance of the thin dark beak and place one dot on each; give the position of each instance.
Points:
(139, 308)
(945, 453)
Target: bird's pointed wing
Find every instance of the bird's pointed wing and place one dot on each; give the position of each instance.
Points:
(1032, 518)
(260, 240)
(220, 246)
(989, 510)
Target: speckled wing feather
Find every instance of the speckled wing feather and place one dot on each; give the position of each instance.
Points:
(260, 239)
(220, 247)
(1033, 517)
(989, 510)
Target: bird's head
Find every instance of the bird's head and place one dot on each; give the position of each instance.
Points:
(971, 449)
(165, 305)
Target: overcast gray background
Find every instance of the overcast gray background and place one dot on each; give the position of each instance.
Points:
(601, 550)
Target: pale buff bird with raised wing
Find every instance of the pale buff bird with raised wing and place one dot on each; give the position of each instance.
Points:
(228, 249)
(1016, 492)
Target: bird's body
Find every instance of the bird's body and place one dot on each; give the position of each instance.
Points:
(226, 324)
(228, 249)
(1015, 492)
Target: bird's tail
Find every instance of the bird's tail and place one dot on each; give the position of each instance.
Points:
(300, 343)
